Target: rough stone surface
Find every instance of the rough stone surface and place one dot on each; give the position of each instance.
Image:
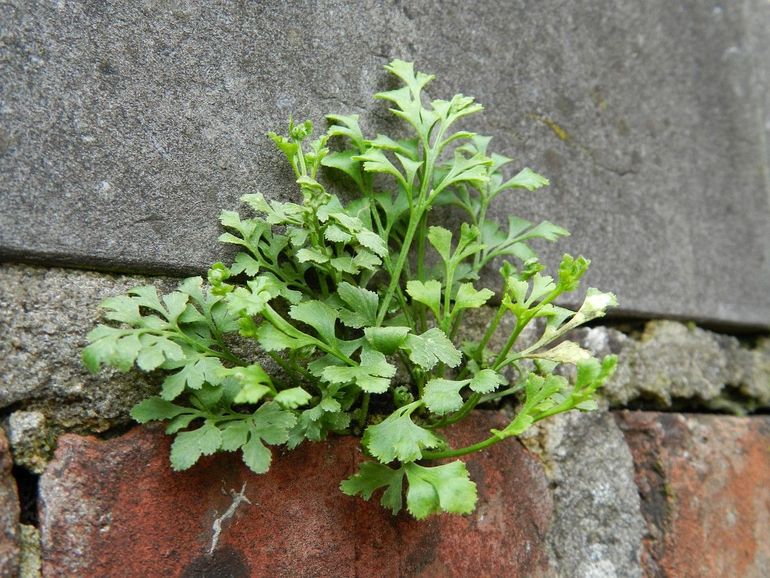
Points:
(9, 513)
(115, 508)
(31, 440)
(126, 127)
(682, 366)
(597, 525)
(705, 496)
(45, 315)
(29, 560)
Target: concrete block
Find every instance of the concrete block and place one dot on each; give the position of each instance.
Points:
(126, 128)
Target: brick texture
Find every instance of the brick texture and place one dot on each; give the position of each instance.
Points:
(705, 494)
(114, 507)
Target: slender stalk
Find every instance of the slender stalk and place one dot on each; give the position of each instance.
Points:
(323, 285)
(363, 411)
(492, 327)
(477, 264)
(461, 451)
(407, 365)
(455, 324)
(296, 370)
(396, 274)
(430, 154)
(203, 348)
(500, 394)
(487, 442)
(404, 306)
(421, 235)
(282, 325)
(301, 157)
(446, 312)
(467, 407)
(500, 360)
(520, 324)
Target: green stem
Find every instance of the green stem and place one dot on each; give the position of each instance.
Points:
(363, 411)
(492, 328)
(404, 306)
(500, 394)
(477, 264)
(396, 274)
(461, 451)
(407, 364)
(226, 418)
(487, 442)
(203, 348)
(500, 360)
(455, 324)
(375, 212)
(282, 325)
(418, 211)
(446, 314)
(420, 386)
(296, 370)
(467, 407)
(421, 235)
(323, 285)
(301, 157)
(561, 408)
(508, 344)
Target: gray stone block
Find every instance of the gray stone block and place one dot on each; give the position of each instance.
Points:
(126, 127)
(31, 440)
(597, 526)
(673, 365)
(45, 315)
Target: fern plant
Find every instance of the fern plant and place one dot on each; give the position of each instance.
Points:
(360, 304)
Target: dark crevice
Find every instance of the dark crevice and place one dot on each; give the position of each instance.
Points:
(634, 327)
(741, 330)
(730, 401)
(15, 406)
(95, 264)
(27, 487)
(718, 406)
(116, 431)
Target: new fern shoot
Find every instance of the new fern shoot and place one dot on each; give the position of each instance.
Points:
(360, 304)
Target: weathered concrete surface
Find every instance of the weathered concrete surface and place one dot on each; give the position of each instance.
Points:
(597, 525)
(45, 315)
(705, 496)
(9, 513)
(126, 127)
(115, 508)
(671, 364)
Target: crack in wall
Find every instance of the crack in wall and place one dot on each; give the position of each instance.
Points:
(27, 487)
(216, 527)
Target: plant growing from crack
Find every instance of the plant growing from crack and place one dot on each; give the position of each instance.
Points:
(341, 294)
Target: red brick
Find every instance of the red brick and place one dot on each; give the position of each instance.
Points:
(705, 487)
(9, 513)
(114, 507)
